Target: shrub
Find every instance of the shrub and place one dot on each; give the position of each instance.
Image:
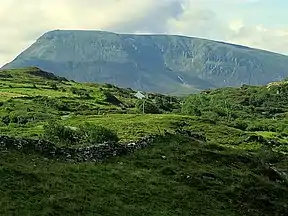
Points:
(195, 103)
(149, 107)
(107, 85)
(53, 103)
(93, 134)
(240, 124)
(80, 92)
(110, 98)
(6, 119)
(52, 85)
(87, 134)
(24, 117)
(220, 111)
(58, 133)
(83, 107)
(163, 103)
(261, 126)
(212, 117)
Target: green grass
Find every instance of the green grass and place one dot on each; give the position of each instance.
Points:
(267, 134)
(131, 126)
(193, 179)
(24, 95)
(228, 174)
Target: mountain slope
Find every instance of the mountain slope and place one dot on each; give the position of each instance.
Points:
(161, 63)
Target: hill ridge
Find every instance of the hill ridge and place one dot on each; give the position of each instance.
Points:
(151, 62)
(163, 34)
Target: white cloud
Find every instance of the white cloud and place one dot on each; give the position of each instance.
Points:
(229, 24)
(22, 22)
(274, 39)
(236, 25)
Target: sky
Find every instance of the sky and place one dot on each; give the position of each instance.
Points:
(257, 23)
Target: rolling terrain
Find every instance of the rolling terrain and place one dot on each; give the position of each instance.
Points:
(220, 152)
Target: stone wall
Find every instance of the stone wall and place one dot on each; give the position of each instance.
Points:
(94, 153)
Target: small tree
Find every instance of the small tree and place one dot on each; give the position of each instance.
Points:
(163, 103)
(194, 104)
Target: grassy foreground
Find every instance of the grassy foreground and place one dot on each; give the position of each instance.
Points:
(175, 176)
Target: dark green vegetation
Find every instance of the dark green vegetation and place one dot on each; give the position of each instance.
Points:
(155, 63)
(86, 134)
(221, 152)
(261, 110)
(30, 98)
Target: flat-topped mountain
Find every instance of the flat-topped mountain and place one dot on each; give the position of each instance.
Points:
(159, 63)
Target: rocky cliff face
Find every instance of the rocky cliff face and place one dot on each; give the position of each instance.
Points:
(161, 63)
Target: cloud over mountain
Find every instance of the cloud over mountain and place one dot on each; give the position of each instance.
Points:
(244, 22)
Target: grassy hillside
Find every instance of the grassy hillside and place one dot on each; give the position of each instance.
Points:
(221, 152)
(30, 97)
(261, 110)
(157, 63)
(176, 176)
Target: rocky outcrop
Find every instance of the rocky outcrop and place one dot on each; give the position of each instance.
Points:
(93, 153)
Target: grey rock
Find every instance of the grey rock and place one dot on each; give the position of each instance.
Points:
(94, 153)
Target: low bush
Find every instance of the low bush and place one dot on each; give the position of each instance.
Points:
(53, 103)
(80, 92)
(149, 107)
(60, 134)
(110, 98)
(240, 124)
(23, 118)
(85, 134)
(92, 134)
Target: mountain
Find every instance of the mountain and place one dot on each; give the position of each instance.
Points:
(159, 63)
